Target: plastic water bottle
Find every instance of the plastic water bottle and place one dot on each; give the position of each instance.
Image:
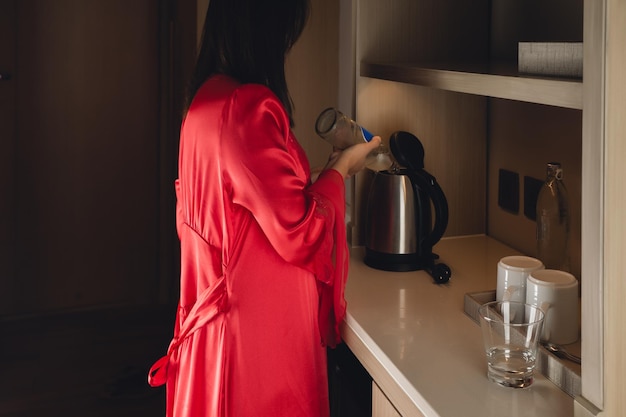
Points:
(342, 132)
(553, 220)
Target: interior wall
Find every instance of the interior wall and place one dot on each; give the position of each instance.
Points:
(312, 76)
(202, 6)
(451, 126)
(469, 138)
(524, 137)
(513, 21)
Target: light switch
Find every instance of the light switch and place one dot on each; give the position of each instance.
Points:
(532, 186)
(508, 191)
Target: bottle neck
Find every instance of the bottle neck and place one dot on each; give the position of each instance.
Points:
(555, 172)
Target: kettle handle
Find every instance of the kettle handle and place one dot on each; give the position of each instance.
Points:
(429, 185)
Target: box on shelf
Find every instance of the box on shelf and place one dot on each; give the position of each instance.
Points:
(564, 59)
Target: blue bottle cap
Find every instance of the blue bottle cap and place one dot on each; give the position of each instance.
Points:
(366, 134)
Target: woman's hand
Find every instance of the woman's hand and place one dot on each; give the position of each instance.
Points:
(351, 160)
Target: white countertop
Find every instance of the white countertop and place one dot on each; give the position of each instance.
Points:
(423, 351)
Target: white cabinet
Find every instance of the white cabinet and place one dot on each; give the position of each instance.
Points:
(446, 71)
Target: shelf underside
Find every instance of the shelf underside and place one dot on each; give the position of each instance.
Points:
(496, 81)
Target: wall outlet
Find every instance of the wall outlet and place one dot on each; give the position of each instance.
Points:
(532, 186)
(508, 191)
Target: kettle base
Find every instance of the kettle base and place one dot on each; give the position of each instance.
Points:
(397, 262)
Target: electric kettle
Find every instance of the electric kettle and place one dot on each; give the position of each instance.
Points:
(399, 228)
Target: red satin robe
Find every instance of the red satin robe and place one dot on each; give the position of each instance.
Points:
(263, 263)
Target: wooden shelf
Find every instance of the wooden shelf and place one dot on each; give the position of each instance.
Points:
(496, 81)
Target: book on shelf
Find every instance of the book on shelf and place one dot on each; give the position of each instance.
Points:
(563, 59)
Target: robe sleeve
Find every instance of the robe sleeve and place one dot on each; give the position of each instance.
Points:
(303, 222)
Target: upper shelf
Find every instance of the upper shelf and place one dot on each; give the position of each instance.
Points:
(498, 81)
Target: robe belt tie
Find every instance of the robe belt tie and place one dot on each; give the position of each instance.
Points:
(212, 302)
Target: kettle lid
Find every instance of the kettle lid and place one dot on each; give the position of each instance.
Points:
(407, 149)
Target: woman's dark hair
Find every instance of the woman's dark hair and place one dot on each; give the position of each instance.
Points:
(249, 40)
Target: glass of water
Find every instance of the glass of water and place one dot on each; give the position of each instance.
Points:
(511, 332)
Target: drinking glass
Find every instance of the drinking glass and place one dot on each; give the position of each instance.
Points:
(511, 331)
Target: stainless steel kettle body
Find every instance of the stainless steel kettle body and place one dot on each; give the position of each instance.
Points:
(390, 218)
(406, 214)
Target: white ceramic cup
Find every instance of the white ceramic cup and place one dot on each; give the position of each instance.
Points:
(513, 272)
(556, 293)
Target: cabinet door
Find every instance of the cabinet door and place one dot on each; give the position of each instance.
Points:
(381, 407)
(349, 384)
(7, 149)
(84, 199)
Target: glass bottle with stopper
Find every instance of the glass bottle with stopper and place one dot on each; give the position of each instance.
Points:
(553, 220)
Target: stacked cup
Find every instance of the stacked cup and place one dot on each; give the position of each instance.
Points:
(556, 293)
(524, 279)
(513, 273)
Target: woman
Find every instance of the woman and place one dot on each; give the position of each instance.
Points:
(263, 250)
